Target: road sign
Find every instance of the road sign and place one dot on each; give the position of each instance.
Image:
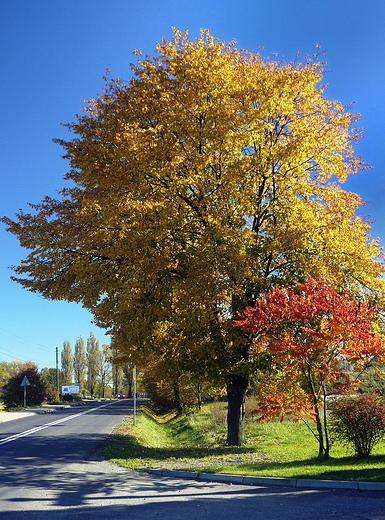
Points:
(25, 383)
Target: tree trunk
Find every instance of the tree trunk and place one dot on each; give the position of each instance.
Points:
(321, 446)
(177, 401)
(236, 394)
(327, 441)
(200, 395)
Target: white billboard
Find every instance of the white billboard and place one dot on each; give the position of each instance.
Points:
(70, 389)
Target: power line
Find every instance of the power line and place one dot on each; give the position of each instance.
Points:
(8, 352)
(15, 357)
(25, 341)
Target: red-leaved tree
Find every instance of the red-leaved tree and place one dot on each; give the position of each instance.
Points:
(320, 343)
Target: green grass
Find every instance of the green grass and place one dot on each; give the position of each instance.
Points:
(196, 442)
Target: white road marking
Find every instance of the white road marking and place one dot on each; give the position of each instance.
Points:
(38, 428)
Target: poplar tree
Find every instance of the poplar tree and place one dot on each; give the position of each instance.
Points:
(105, 372)
(80, 363)
(117, 378)
(93, 363)
(67, 363)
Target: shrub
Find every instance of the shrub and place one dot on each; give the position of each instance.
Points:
(358, 421)
(13, 394)
(53, 396)
(67, 398)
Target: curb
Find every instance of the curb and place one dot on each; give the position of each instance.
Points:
(11, 416)
(299, 483)
(27, 412)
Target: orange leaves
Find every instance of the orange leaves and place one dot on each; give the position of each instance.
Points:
(279, 404)
(313, 311)
(310, 331)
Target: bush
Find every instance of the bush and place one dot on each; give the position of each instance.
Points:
(13, 394)
(67, 398)
(53, 396)
(358, 421)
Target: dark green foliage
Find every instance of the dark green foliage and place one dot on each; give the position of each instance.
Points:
(49, 377)
(358, 421)
(13, 393)
(67, 397)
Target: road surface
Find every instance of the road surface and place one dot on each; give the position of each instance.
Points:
(50, 470)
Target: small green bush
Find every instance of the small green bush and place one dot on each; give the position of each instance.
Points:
(358, 421)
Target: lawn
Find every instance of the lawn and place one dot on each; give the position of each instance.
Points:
(196, 442)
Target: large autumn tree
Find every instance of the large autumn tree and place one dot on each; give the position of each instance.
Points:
(210, 176)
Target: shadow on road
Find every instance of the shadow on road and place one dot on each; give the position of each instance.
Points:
(94, 490)
(55, 477)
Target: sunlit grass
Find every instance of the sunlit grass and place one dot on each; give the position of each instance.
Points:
(196, 442)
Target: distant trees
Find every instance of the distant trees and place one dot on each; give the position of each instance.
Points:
(99, 371)
(8, 370)
(67, 363)
(51, 377)
(93, 362)
(105, 372)
(117, 378)
(116, 369)
(91, 366)
(80, 364)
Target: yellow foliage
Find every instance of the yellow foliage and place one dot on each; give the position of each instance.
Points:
(210, 176)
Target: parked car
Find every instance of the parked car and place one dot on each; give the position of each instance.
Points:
(121, 396)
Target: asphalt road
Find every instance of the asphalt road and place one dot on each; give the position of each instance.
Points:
(49, 469)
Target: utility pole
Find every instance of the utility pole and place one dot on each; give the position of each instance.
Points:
(57, 369)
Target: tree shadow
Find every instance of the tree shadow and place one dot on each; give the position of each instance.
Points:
(52, 480)
(126, 447)
(92, 490)
(128, 451)
(371, 468)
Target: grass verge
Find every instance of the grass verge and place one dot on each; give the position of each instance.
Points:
(196, 442)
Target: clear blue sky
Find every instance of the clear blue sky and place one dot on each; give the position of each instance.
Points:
(52, 56)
